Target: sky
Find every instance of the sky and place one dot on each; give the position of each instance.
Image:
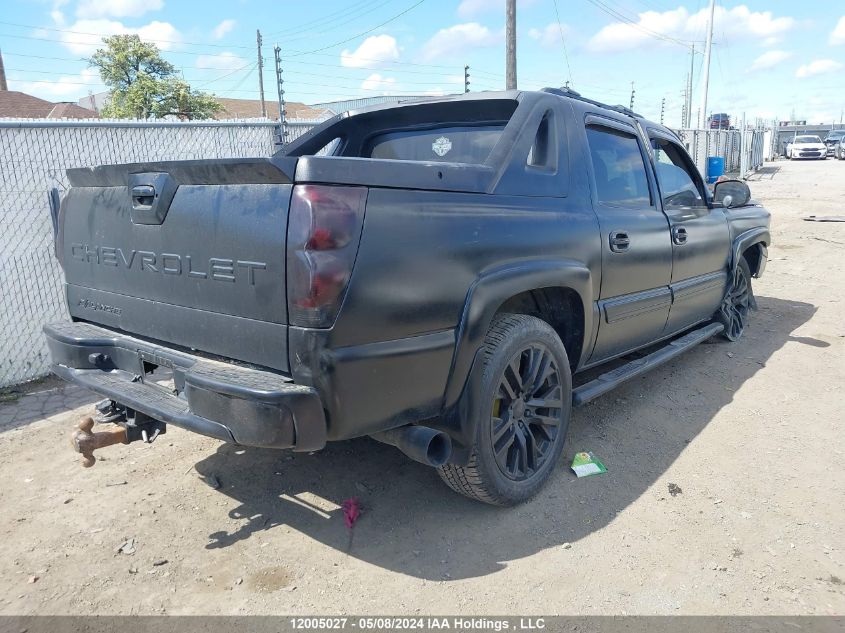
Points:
(772, 59)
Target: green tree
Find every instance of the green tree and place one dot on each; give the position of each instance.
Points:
(142, 84)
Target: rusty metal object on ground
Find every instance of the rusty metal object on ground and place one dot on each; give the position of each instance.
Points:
(85, 441)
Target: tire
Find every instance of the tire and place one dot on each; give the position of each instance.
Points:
(737, 305)
(529, 437)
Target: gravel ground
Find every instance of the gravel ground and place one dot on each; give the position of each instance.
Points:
(747, 436)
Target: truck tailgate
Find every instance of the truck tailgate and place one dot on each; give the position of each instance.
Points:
(190, 253)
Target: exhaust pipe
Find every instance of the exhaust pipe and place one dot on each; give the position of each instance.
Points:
(420, 443)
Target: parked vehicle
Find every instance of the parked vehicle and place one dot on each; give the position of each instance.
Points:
(435, 283)
(720, 121)
(807, 146)
(832, 140)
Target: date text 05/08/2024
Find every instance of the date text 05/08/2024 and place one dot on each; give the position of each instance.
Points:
(418, 623)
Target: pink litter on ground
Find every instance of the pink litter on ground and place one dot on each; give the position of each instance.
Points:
(351, 511)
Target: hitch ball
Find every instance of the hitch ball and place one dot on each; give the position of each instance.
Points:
(84, 441)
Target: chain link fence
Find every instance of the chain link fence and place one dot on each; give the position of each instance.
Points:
(33, 158)
(743, 151)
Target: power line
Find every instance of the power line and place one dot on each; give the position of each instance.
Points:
(60, 41)
(102, 35)
(176, 52)
(635, 24)
(326, 20)
(563, 41)
(356, 36)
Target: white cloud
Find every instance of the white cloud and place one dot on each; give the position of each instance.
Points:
(83, 37)
(377, 82)
(162, 34)
(739, 22)
(549, 35)
(471, 8)
(769, 59)
(65, 88)
(818, 67)
(458, 38)
(56, 12)
(374, 49)
(116, 8)
(223, 61)
(838, 35)
(223, 28)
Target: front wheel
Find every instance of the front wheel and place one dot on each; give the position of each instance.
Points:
(521, 421)
(736, 306)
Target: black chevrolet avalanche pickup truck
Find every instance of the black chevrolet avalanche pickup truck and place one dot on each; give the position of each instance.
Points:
(431, 274)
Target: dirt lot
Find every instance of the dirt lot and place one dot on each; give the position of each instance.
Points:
(751, 433)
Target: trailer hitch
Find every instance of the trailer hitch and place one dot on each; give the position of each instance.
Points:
(85, 441)
(130, 426)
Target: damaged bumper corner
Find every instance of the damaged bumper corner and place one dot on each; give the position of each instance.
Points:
(245, 406)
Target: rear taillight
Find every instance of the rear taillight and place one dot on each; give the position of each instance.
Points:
(324, 229)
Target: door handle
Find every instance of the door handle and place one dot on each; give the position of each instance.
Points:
(619, 241)
(679, 235)
(143, 196)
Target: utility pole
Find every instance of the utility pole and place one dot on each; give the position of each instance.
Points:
(662, 109)
(706, 80)
(510, 45)
(687, 122)
(260, 74)
(631, 106)
(466, 79)
(3, 85)
(283, 125)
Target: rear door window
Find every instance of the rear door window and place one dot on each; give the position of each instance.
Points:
(618, 167)
(458, 144)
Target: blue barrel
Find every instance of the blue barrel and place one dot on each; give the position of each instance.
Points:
(715, 168)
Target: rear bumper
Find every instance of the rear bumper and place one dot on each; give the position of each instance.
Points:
(232, 403)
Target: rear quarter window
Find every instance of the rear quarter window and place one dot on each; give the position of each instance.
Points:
(455, 144)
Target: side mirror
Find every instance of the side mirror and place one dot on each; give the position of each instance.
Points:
(731, 193)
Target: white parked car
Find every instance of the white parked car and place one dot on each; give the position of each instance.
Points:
(806, 147)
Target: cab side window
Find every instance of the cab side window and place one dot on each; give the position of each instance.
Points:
(618, 167)
(678, 187)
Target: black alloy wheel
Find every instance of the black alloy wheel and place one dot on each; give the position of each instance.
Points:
(520, 416)
(737, 305)
(526, 413)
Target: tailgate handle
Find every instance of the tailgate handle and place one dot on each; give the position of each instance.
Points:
(151, 195)
(143, 196)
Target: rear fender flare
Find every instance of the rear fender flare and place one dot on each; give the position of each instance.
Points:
(489, 292)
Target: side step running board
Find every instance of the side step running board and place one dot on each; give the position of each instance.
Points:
(612, 379)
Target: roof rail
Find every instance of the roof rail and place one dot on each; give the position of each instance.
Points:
(569, 92)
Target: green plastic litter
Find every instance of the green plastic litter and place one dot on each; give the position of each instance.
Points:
(586, 464)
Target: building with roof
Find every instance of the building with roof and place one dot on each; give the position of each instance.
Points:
(251, 109)
(336, 107)
(236, 108)
(19, 105)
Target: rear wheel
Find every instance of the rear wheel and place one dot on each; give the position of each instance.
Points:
(735, 308)
(523, 416)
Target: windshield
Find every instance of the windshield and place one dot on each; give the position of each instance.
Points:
(836, 134)
(807, 139)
